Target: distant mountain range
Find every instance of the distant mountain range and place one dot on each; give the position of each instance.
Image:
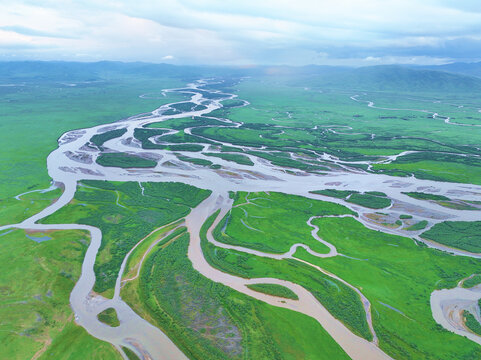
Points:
(471, 69)
(456, 77)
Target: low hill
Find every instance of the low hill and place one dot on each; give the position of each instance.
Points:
(470, 69)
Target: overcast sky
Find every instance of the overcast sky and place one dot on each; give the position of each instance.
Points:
(243, 32)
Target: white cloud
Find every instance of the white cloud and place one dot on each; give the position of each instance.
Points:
(251, 31)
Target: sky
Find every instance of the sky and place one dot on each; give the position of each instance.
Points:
(243, 32)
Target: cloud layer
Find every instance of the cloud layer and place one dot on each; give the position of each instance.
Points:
(346, 32)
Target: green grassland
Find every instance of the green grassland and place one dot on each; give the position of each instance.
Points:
(275, 290)
(273, 222)
(35, 115)
(340, 300)
(458, 205)
(376, 193)
(463, 235)
(403, 277)
(34, 302)
(125, 216)
(442, 200)
(300, 115)
(13, 211)
(209, 320)
(279, 103)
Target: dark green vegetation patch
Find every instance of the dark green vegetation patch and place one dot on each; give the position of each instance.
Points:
(339, 194)
(130, 354)
(109, 317)
(376, 193)
(463, 235)
(99, 139)
(240, 159)
(425, 196)
(472, 323)
(195, 161)
(473, 281)
(369, 201)
(275, 290)
(123, 160)
(418, 226)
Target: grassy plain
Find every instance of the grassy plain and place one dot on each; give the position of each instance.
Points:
(36, 114)
(13, 211)
(34, 304)
(125, 216)
(99, 139)
(360, 132)
(160, 237)
(209, 320)
(401, 277)
(273, 222)
(340, 300)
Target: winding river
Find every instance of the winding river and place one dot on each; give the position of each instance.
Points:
(74, 160)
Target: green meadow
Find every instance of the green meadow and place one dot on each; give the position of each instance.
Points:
(125, 216)
(398, 276)
(273, 222)
(37, 320)
(35, 115)
(394, 273)
(209, 320)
